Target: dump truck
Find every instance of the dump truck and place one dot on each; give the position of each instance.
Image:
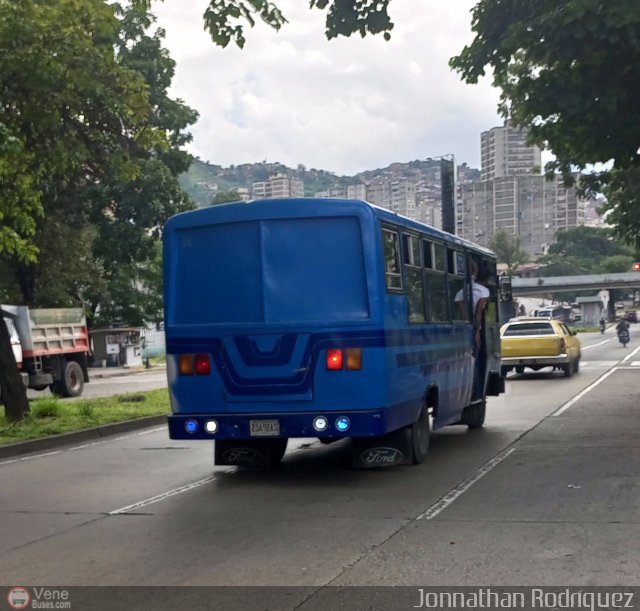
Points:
(51, 346)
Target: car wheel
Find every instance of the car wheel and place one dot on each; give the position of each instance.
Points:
(568, 369)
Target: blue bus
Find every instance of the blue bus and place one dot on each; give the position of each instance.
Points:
(322, 318)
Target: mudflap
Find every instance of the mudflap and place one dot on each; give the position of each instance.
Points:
(253, 453)
(383, 451)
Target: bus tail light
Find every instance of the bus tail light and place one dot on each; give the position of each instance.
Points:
(354, 358)
(199, 364)
(350, 358)
(185, 364)
(334, 359)
(203, 364)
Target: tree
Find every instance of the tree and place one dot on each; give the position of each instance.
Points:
(589, 243)
(225, 196)
(91, 144)
(586, 250)
(508, 250)
(100, 223)
(568, 72)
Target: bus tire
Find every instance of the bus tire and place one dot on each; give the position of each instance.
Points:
(72, 382)
(473, 415)
(420, 434)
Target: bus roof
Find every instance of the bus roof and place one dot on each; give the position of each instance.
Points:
(282, 208)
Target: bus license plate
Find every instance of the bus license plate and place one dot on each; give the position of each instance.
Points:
(264, 428)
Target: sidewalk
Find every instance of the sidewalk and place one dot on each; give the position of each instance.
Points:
(109, 372)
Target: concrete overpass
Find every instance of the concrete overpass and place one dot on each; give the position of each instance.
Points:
(557, 284)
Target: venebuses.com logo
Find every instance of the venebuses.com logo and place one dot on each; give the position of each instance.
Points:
(18, 597)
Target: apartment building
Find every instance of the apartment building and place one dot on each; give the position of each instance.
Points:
(530, 207)
(278, 186)
(504, 152)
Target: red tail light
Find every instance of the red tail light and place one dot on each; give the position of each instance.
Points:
(563, 346)
(334, 359)
(200, 364)
(203, 364)
(349, 358)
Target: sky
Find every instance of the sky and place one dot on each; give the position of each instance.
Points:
(345, 106)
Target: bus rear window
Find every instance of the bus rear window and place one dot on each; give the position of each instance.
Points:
(269, 271)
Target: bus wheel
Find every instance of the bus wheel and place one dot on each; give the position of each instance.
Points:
(420, 433)
(473, 415)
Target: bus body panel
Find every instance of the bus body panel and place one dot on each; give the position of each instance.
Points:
(266, 289)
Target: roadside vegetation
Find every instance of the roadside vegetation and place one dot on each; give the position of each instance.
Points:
(52, 416)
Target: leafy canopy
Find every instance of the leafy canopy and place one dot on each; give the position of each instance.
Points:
(568, 71)
(508, 250)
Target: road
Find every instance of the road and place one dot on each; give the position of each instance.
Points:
(545, 494)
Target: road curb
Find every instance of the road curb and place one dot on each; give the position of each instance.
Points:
(63, 439)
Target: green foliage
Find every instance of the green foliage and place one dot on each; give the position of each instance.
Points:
(225, 20)
(623, 203)
(48, 407)
(84, 91)
(590, 243)
(586, 250)
(568, 71)
(74, 415)
(225, 196)
(508, 250)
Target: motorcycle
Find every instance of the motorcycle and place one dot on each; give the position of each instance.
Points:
(623, 337)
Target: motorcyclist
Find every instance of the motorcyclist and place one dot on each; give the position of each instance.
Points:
(621, 327)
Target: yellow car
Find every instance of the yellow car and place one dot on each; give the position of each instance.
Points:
(537, 343)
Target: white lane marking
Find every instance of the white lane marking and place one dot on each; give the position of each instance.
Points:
(582, 393)
(155, 429)
(162, 496)
(630, 355)
(461, 488)
(604, 341)
(107, 439)
(31, 456)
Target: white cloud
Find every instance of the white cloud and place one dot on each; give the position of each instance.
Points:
(345, 105)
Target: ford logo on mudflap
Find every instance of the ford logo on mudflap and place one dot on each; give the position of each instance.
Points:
(243, 457)
(381, 457)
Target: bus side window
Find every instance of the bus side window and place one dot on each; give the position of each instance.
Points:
(414, 279)
(392, 273)
(435, 281)
(456, 280)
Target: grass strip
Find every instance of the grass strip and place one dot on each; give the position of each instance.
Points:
(51, 415)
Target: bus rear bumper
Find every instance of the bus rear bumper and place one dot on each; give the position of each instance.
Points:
(299, 424)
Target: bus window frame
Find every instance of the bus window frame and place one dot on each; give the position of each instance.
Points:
(395, 232)
(410, 264)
